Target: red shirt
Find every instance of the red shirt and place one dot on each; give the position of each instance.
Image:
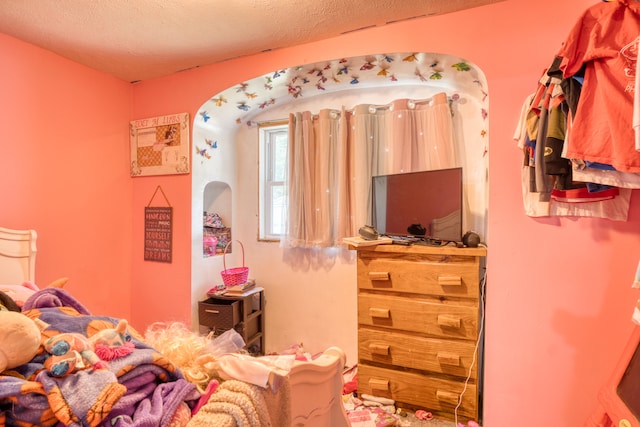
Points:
(604, 40)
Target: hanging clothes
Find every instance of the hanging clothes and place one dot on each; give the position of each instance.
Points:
(580, 125)
(533, 205)
(611, 204)
(602, 43)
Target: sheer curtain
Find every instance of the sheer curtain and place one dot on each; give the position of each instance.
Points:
(317, 159)
(334, 154)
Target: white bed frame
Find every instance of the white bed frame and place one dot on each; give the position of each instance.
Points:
(316, 391)
(17, 256)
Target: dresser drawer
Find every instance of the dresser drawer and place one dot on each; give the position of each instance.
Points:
(415, 315)
(452, 357)
(437, 394)
(219, 314)
(420, 273)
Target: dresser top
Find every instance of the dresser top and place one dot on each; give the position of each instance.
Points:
(423, 249)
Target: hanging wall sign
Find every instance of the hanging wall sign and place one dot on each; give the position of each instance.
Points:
(158, 231)
(160, 145)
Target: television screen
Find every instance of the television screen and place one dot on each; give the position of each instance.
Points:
(425, 203)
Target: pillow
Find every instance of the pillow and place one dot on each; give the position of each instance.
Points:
(20, 293)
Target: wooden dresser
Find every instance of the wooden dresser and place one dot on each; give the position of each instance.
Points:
(418, 324)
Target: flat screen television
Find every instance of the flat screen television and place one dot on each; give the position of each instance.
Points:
(430, 201)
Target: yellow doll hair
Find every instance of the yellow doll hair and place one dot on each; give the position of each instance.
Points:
(189, 351)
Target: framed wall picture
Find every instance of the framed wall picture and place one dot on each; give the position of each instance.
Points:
(160, 145)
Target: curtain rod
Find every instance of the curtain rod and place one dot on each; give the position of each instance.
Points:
(274, 122)
(411, 103)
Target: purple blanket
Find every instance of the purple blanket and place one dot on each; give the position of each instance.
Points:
(141, 389)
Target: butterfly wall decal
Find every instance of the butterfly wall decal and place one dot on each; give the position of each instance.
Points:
(410, 58)
(462, 66)
(367, 66)
(219, 100)
(295, 91)
(203, 152)
(396, 67)
(265, 104)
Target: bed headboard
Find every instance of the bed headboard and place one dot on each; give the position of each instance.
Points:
(17, 256)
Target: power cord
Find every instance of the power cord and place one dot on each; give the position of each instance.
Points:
(475, 351)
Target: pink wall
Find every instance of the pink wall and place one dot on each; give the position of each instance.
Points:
(64, 171)
(559, 297)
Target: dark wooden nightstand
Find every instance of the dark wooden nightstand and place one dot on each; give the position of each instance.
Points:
(244, 313)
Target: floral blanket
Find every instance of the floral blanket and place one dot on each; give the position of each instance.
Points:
(140, 389)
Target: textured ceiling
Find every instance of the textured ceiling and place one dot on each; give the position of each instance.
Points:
(141, 39)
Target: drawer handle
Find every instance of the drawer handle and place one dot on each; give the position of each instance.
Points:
(382, 313)
(212, 311)
(378, 384)
(447, 396)
(378, 275)
(447, 358)
(449, 321)
(449, 280)
(379, 349)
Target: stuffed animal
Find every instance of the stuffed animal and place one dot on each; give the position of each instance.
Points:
(69, 352)
(19, 339)
(299, 351)
(113, 343)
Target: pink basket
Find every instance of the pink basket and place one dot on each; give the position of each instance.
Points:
(237, 275)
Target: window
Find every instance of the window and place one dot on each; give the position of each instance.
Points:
(274, 144)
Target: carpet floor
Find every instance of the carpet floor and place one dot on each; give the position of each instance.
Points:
(415, 422)
(409, 419)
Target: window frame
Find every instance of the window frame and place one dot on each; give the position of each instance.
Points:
(266, 181)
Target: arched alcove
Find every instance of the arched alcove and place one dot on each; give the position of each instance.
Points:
(217, 217)
(225, 148)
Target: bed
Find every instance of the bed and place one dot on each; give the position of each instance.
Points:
(143, 387)
(17, 256)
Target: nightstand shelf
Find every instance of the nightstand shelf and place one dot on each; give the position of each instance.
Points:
(244, 313)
